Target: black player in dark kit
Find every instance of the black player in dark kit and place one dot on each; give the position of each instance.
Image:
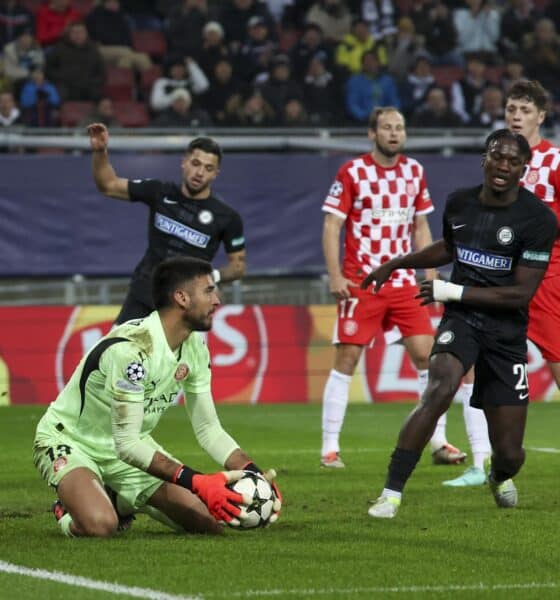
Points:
(186, 219)
(499, 238)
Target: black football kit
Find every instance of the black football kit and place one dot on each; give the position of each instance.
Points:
(487, 244)
(177, 226)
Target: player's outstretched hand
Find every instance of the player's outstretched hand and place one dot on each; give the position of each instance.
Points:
(220, 500)
(426, 293)
(380, 276)
(98, 136)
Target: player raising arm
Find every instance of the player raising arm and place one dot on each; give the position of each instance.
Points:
(499, 238)
(97, 432)
(186, 219)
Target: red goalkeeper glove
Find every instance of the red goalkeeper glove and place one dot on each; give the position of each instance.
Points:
(220, 500)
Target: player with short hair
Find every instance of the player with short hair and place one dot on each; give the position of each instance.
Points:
(499, 237)
(187, 220)
(525, 112)
(98, 431)
(381, 199)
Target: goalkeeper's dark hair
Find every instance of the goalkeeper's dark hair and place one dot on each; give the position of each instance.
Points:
(207, 145)
(506, 134)
(171, 274)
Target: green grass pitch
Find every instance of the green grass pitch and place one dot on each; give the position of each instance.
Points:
(444, 543)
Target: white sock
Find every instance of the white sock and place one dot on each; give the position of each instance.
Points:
(64, 524)
(476, 426)
(335, 401)
(438, 439)
(387, 493)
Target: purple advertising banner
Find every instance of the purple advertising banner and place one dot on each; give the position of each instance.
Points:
(55, 223)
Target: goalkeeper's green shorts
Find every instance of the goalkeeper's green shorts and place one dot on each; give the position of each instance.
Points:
(57, 454)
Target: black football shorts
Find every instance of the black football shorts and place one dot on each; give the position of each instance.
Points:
(499, 359)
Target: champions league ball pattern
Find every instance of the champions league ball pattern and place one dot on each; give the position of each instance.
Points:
(135, 372)
(262, 497)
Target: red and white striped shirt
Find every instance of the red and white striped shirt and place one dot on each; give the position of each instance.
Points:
(542, 177)
(379, 205)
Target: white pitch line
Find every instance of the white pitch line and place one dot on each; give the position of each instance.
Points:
(92, 584)
(547, 450)
(413, 589)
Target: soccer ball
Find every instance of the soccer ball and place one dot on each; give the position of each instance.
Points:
(260, 491)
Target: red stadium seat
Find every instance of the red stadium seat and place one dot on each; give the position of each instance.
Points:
(71, 113)
(131, 114)
(147, 79)
(151, 42)
(119, 84)
(446, 75)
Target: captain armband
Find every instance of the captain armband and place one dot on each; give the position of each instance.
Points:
(444, 291)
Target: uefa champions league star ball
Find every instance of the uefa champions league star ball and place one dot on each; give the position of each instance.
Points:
(135, 372)
(259, 510)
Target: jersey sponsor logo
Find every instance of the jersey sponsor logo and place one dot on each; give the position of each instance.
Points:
(538, 256)
(238, 241)
(336, 189)
(181, 372)
(532, 176)
(485, 260)
(446, 337)
(178, 230)
(205, 217)
(393, 216)
(505, 235)
(135, 372)
(459, 226)
(128, 386)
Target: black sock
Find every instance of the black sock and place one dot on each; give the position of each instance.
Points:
(403, 462)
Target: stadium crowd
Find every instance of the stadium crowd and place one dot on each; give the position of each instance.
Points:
(288, 63)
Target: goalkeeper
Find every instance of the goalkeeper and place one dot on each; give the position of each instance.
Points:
(93, 444)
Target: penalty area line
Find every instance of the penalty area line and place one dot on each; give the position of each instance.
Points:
(92, 584)
(413, 589)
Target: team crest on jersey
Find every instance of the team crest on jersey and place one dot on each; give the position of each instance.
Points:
(446, 337)
(181, 372)
(336, 189)
(135, 372)
(350, 327)
(205, 217)
(532, 176)
(410, 189)
(59, 463)
(505, 236)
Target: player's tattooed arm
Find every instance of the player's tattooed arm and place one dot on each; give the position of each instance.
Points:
(236, 267)
(106, 180)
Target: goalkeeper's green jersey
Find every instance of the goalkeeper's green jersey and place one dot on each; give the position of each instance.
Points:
(132, 364)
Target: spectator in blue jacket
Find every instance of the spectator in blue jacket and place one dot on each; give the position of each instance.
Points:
(39, 101)
(369, 89)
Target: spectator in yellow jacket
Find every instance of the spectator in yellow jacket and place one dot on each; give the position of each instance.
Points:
(353, 45)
